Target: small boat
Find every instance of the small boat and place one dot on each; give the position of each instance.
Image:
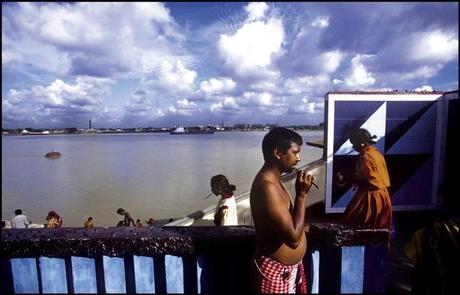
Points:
(53, 154)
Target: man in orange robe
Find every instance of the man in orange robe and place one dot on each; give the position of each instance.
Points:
(371, 205)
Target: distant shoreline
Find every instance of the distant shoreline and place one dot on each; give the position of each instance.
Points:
(40, 132)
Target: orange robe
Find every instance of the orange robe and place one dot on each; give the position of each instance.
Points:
(371, 205)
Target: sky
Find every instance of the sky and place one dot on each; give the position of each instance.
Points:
(153, 64)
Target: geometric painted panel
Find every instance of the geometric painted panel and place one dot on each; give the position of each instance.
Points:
(405, 127)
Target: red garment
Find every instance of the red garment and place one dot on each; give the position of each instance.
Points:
(274, 277)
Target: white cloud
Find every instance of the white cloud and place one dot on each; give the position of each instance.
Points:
(217, 86)
(173, 79)
(184, 107)
(321, 22)
(306, 84)
(337, 81)
(433, 46)
(305, 106)
(358, 76)
(252, 47)
(424, 88)
(228, 104)
(83, 38)
(57, 101)
(257, 99)
(256, 10)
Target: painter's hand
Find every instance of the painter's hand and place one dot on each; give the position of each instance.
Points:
(303, 183)
(340, 179)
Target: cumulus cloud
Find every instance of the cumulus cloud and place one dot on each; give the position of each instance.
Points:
(256, 10)
(432, 46)
(58, 100)
(87, 39)
(358, 75)
(227, 105)
(424, 88)
(174, 79)
(252, 47)
(306, 84)
(257, 99)
(217, 86)
(184, 107)
(303, 106)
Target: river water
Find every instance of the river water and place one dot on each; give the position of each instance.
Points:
(149, 174)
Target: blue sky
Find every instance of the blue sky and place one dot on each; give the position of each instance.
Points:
(164, 64)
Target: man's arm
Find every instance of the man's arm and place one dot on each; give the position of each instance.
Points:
(130, 219)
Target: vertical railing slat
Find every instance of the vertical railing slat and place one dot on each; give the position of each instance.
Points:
(330, 270)
(6, 286)
(190, 274)
(352, 270)
(174, 270)
(375, 263)
(100, 279)
(315, 272)
(69, 275)
(160, 275)
(144, 274)
(53, 275)
(114, 273)
(129, 275)
(84, 275)
(25, 274)
(39, 276)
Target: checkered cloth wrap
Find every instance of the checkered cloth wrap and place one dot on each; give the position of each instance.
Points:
(275, 277)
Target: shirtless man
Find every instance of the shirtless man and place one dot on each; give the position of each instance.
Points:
(280, 224)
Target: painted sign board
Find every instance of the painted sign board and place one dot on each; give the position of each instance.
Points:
(409, 134)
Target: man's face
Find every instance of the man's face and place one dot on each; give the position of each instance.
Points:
(215, 189)
(290, 158)
(357, 146)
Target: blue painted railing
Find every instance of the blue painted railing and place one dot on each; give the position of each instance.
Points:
(179, 260)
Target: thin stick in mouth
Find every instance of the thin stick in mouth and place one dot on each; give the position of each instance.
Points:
(207, 196)
(298, 170)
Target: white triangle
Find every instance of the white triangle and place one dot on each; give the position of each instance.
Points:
(375, 125)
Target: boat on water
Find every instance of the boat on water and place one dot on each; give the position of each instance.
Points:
(53, 154)
(191, 130)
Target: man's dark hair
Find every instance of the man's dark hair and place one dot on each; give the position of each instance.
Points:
(279, 138)
(361, 135)
(18, 211)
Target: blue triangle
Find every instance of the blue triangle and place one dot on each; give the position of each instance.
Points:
(417, 189)
(419, 139)
(345, 199)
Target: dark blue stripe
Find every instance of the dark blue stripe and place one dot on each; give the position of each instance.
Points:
(375, 263)
(160, 274)
(330, 270)
(190, 275)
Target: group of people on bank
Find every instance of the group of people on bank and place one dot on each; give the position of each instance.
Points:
(21, 220)
(54, 220)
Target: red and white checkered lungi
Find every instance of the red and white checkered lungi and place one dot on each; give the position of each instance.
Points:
(274, 277)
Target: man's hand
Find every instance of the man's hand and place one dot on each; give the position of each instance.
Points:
(303, 183)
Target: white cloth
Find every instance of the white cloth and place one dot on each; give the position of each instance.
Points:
(230, 216)
(20, 221)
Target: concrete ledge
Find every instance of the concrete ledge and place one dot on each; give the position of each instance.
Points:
(172, 240)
